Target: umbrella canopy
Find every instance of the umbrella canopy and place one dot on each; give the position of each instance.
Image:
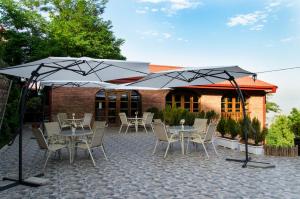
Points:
(104, 85)
(78, 69)
(191, 76)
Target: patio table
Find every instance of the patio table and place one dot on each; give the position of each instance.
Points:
(182, 130)
(136, 122)
(73, 137)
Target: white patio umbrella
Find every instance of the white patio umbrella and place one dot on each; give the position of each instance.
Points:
(203, 76)
(67, 69)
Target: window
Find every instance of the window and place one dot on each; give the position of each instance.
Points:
(183, 99)
(232, 104)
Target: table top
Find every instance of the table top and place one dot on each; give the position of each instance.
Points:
(135, 118)
(74, 119)
(78, 132)
(184, 128)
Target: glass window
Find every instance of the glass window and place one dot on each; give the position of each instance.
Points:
(183, 99)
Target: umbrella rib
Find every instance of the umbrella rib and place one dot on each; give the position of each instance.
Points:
(179, 73)
(94, 72)
(93, 68)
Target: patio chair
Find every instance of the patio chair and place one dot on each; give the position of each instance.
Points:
(86, 121)
(50, 147)
(53, 132)
(125, 122)
(207, 138)
(162, 136)
(147, 121)
(62, 120)
(96, 141)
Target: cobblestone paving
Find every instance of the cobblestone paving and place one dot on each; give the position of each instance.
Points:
(133, 172)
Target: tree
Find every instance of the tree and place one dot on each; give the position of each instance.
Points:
(272, 106)
(294, 118)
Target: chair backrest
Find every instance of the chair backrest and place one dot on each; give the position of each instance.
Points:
(98, 135)
(211, 129)
(160, 131)
(123, 118)
(149, 118)
(200, 124)
(61, 117)
(145, 115)
(157, 121)
(38, 134)
(52, 128)
(87, 119)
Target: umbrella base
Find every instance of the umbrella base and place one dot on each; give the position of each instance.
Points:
(17, 182)
(251, 163)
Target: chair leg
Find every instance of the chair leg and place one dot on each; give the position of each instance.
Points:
(205, 150)
(49, 153)
(155, 147)
(145, 128)
(120, 128)
(152, 128)
(88, 148)
(215, 148)
(167, 150)
(102, 147)
(187, 145)
(127, 129)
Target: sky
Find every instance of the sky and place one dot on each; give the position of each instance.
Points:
(257, 35)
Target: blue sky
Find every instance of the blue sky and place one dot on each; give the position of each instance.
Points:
(257, 35)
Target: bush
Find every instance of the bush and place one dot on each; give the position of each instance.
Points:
(210, 115)
(221, 126)
(280, 134)
(34, 104)
(244, 126)
(294, 118)
(156, 111)
(232, 128)
(255, 131)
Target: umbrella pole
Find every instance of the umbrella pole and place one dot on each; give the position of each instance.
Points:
(245, 131)
(20, 180)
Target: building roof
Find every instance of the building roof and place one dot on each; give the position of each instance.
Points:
(245, 83)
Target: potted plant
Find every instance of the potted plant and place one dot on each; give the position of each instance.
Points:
(280, 138)
(256, 135)
(228, 127)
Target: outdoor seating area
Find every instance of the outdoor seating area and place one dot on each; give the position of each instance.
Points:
(132, 171)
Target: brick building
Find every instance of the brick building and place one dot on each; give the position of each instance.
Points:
(106, 104)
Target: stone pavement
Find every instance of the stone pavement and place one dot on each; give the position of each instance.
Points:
(133, 172)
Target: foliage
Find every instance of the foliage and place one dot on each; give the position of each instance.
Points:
(11, 118)
(232, 128)
(211, 115)
(221, 126)
(244, 126)
(36, 29)
(280, 134)
(34, 104)
(294, 118)
(256, 133)
(272, 106)
(156, 111)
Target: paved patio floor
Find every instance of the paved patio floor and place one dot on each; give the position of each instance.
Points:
(133, 172)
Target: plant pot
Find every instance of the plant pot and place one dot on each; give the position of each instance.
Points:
(228, 143)
(297, 143)
(257, 150)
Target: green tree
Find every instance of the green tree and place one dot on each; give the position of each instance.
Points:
(272, 106)
(294, 118)
(280, 134)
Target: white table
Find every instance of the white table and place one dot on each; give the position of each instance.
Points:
(181, 131)
(136, 122)
(72, 137)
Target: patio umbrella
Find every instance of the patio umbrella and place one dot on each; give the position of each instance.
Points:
(67, 69)
(202, 76)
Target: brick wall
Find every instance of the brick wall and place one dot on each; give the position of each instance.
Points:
(73, 100)
(155, 98)
(211, 102)
(256, 106)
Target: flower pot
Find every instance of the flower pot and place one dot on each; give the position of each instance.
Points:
(257, 150)
(228, 143)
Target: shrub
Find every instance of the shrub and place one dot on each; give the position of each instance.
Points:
(280, 134)
(221, 126)
(232, 128)
(210, 115)
(244, 126)
(156, 111)
(294, 118)
(255, 131)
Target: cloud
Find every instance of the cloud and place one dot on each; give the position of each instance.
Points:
(172, 6)
(255, 20)
(289, 39)
(159, 36)
(246, 19)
